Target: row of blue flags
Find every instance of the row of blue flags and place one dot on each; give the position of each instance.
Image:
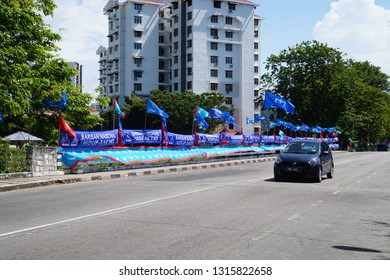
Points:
(215, 114)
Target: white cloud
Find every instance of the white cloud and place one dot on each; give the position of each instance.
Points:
(83, 28)
(359, 28)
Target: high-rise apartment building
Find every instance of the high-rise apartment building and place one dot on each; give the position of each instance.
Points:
(77, 80)
(184, 45)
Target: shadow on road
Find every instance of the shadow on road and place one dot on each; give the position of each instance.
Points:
(357, 249)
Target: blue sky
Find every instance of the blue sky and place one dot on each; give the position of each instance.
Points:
(359, 28)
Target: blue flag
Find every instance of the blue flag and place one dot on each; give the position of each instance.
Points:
(118, 110)
(152, 108)
(59, 105)
(215, 114)
(202, 113)
(249, 121)
(1, 117)
(201, 123)
(227, 118)
(275, 101)
(260, 118)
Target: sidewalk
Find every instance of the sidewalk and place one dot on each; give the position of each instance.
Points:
(19, 182)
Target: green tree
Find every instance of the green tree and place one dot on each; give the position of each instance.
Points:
(30, 72)
(179, 106)
(330, 91)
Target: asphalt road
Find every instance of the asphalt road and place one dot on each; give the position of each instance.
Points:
(236, 212)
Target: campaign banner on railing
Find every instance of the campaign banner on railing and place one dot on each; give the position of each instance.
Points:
(252, 139)
(211, 139)
(133, 137)
(234, 139)
(89, 139)
(180, 139)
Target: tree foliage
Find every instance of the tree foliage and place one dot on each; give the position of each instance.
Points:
(179, 106)
(330, 91)
(30, 72)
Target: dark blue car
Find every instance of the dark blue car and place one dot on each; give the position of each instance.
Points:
(310, 159)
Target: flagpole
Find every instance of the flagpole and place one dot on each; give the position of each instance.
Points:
(194, 126)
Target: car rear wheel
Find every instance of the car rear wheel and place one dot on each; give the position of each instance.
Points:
(331, 172)
(319, 177)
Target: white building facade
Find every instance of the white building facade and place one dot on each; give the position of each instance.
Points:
(184, 45)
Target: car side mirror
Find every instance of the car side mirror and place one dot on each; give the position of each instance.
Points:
(277, 152)
(326, 152)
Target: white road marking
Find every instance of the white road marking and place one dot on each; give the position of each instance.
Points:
(316, 203)
(294, 216)
(262, 236)
(106, 212)
(336, 192)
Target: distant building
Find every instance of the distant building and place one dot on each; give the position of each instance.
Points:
(183, 45)
(77, 80)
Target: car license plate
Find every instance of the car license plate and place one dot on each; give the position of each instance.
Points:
(293, 169)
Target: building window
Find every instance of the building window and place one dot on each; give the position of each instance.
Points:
(231, 6)
(214, 46)
(137, 46)
(189, 3)
(217, 4)
(137, 87)
(229, 60)
(137, 74)
(214, 73)
(137, 7)
(176, 73)
(256, 81)
(256, 46)
(137, 33)
(175, 46)
(175, 32)
(229, 34)
(189, 30)
(256, 93)
(189, 15)
(161, 65)
(214, 33)
(176, 59)
(229, 74)
(229, 87)
(161, 39)
(176, 87)
(161, 51)
(189, 71)
(229, 20)
(229, 100)
(214, 19)
(189, 57)
(214, 86)
(257, 22)
(161, 26)
(138, 61)
(189, 44)
(256, 57)
(229, 47)
(175, 5)
(214, 59)
(175, 19)
(138, 19)
(189, 85)
(256, 33)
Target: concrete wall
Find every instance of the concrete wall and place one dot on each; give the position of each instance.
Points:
(42, 161)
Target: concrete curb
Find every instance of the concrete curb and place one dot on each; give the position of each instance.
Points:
(18, 183)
